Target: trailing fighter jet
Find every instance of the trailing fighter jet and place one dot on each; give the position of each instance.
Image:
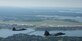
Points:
(14, 29)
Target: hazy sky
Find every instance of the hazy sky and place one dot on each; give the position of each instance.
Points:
(41, 3)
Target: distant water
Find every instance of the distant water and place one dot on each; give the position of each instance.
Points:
(24, 13)
(77, 18)
(6, 32)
